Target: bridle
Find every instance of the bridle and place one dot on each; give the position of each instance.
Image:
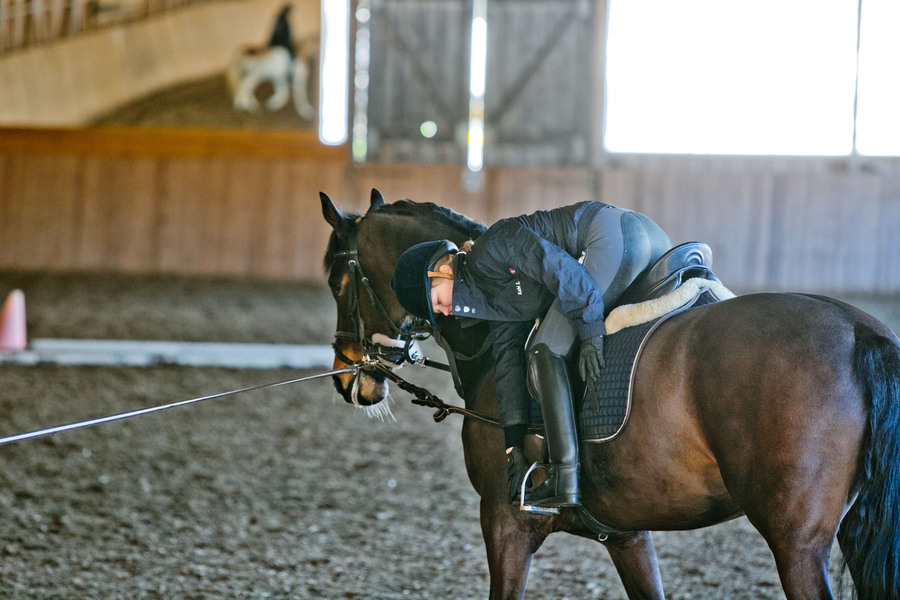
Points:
(377, 357)
(415, 331)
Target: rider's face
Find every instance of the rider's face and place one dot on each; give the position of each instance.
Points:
(442, 292)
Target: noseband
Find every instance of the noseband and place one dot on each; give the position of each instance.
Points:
(373, 351)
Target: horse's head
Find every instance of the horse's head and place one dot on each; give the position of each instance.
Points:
(360, 262)
(371, 324)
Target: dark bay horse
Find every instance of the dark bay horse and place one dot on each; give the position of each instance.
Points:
(781, 407)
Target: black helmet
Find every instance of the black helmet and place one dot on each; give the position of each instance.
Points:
(411, 283)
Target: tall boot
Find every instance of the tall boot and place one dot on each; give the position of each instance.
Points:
(550, 381)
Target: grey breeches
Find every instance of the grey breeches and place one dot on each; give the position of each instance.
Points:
(618, 245)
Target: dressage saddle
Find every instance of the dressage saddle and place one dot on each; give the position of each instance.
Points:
(684, 261)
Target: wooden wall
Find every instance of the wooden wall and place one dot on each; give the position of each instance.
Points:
(244, 203)
(26, 23)
(806, 224)
(181, 201)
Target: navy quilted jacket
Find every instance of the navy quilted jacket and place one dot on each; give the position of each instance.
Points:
(515, 271)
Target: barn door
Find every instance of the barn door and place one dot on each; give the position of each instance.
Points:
(538, 100)
(411, 84)
(417, 79)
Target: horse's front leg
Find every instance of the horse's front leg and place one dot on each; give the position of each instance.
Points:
(634, 556)
(511, 537)
(511, 542)
(245, 99)
(280, 96)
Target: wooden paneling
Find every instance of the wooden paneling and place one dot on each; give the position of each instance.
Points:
(164, 201)
(246, 204)
(813, 225)
(801, 224)
(30, 22)
(140, 142)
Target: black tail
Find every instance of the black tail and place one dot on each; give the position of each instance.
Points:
(869, 535)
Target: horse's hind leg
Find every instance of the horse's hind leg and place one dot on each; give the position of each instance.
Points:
(511, 543)
(797, 504)
(803, 568)
(799, 515)
(300, 80)
(634, 556)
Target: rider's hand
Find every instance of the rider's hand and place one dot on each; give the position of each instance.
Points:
(591, 361)
(516, 467)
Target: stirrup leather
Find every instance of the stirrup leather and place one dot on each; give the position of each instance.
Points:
(536, 510)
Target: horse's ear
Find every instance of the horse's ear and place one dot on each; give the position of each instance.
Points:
(376, 200)
(332, 214)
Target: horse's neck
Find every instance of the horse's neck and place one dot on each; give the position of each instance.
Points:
(382, 239)
(472, 360)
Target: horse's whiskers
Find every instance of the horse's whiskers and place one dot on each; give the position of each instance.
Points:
(381, 411)
(354, 390)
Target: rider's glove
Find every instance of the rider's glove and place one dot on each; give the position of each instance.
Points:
(591, 361)
(516, 467)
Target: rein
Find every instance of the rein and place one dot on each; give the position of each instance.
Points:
(423, 397)
(152, 409)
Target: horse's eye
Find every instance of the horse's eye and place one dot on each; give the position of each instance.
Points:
(335, 287)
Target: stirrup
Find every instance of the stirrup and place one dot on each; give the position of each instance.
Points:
(536, 510)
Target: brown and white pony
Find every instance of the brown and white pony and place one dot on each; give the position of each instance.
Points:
(282, 63)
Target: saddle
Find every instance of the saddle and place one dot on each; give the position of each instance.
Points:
(685, 261)
(679, 280)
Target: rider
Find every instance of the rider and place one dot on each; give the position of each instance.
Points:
(575, 261)
(281, 32)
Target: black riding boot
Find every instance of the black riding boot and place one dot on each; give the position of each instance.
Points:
(550, 381)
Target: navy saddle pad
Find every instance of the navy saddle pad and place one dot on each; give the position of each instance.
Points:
(601, 420)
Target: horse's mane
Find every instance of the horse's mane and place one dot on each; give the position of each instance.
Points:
(408, 208)
(448, 216)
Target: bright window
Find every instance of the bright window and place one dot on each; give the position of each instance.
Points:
(734, 77)
(878, 119)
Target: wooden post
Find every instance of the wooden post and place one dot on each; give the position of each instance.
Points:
(37, 21)
(17, 24)
(5, 19)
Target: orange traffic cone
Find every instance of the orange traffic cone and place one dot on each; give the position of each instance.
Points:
(12, 323)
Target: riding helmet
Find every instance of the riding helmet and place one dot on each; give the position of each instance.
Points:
(411, 283)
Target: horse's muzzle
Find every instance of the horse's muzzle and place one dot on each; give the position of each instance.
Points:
(360, 388)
